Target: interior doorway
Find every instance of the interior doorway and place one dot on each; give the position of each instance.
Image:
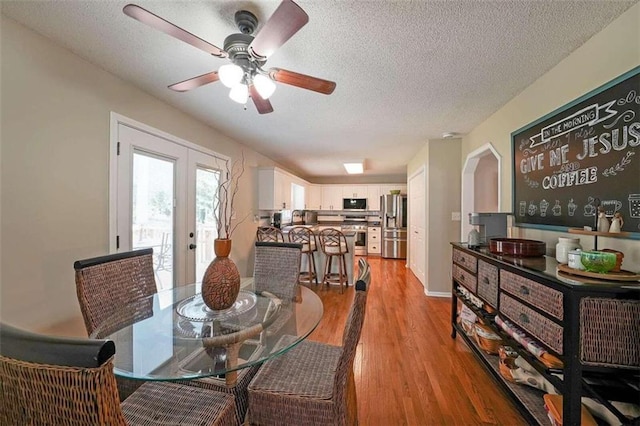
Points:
(417, 225)
(481, 191)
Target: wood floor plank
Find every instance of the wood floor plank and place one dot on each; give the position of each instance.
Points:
(408, 370)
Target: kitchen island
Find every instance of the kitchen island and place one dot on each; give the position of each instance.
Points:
(319, 255)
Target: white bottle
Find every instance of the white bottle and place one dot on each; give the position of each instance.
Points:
(564, 246)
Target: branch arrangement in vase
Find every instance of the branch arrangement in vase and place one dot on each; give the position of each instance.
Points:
(224, 201)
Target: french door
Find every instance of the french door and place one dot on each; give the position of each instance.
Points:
(164, 199)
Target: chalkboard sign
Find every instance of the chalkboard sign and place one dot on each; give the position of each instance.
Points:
(580, 156)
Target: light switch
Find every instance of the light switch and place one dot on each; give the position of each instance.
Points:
(455, 216)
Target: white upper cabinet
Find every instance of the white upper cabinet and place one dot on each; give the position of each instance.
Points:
(332, 197)
(274, 189)
(384, 189)
(354, 191)
(314, 197)
(373, 197)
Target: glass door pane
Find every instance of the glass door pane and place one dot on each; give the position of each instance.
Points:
(207, 181)
(152, 213)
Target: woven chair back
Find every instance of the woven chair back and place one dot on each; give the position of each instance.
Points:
(269, 234)
(112, 290)
(333, 241)
(352, 331)
(304, 236)
(276, 268)
(37, 393)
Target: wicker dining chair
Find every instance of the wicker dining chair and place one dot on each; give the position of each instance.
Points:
(276, 268)
(46, 380)
(269, 233)
(313, 383)
(113, 292)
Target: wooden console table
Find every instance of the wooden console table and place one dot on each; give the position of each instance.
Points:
(592, 326)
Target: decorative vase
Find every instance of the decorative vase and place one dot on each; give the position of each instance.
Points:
(221, 281)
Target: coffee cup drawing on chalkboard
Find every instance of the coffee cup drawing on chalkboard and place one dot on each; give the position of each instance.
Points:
(589, 208)
(572, 207)
(611, 207)
(634, 206)
(532, 209)
(523, 208)
(544, 204)
(557, 209)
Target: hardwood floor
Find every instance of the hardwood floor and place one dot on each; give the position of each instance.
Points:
(408, 369)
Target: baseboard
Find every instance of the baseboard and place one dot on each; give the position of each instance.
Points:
(437, 293)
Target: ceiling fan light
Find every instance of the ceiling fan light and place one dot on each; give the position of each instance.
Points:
(264, 85)
(239, 93)
(230, 75)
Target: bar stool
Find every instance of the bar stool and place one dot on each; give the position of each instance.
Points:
(269, 234)
(334, 244)
(302, 235)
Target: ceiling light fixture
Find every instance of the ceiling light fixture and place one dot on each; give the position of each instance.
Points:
(230, 75)
(239, 93)
(264, 85)
(354, 168)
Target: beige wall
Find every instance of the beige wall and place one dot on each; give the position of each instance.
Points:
(610, 53)
(486, 185)
(55, 112)
(440, 157)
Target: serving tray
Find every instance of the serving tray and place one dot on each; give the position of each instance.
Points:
(608, 276)
(517, 247)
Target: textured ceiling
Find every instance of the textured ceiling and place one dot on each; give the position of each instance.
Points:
(406, 71)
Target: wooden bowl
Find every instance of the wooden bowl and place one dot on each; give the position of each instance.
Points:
(517, 247)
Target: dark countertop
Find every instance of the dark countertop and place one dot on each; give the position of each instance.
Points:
(547, 267)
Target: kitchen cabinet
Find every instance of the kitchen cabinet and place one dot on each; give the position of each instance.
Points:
(314, 197)
(274, 189)
(590, 326)
(384, 189)
(354, 191)
(332, 197)
(374, 241)
(373, 197)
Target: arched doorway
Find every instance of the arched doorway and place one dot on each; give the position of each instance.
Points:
(481, 177)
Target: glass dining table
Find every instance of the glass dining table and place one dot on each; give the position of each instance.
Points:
(173, 335)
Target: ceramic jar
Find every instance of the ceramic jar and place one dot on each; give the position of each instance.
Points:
(564, 246)
(574, 259)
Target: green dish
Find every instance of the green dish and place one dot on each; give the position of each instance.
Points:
(598, 261)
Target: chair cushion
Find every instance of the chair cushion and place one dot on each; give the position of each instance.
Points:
(170, 403)
(307, 370)
(305, 247)
(336, 249)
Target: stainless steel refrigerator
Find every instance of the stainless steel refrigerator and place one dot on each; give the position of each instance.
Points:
(393, 209)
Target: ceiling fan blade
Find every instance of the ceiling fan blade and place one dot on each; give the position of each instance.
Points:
(194, 82)
(262, 105)
(284, 23)
(146, 17)
(303, 81)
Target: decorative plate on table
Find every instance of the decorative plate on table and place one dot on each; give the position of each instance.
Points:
(194, 308)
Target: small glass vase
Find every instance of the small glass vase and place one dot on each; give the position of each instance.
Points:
(221, 281)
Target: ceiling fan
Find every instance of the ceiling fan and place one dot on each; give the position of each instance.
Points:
(247, 53)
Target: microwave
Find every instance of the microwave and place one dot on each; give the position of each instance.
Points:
(354, 204)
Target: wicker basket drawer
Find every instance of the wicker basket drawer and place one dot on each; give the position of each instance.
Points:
(610, 332)
(540, 327)
(466, 260)
(465, 278)
(539, 295)
(488, 283)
